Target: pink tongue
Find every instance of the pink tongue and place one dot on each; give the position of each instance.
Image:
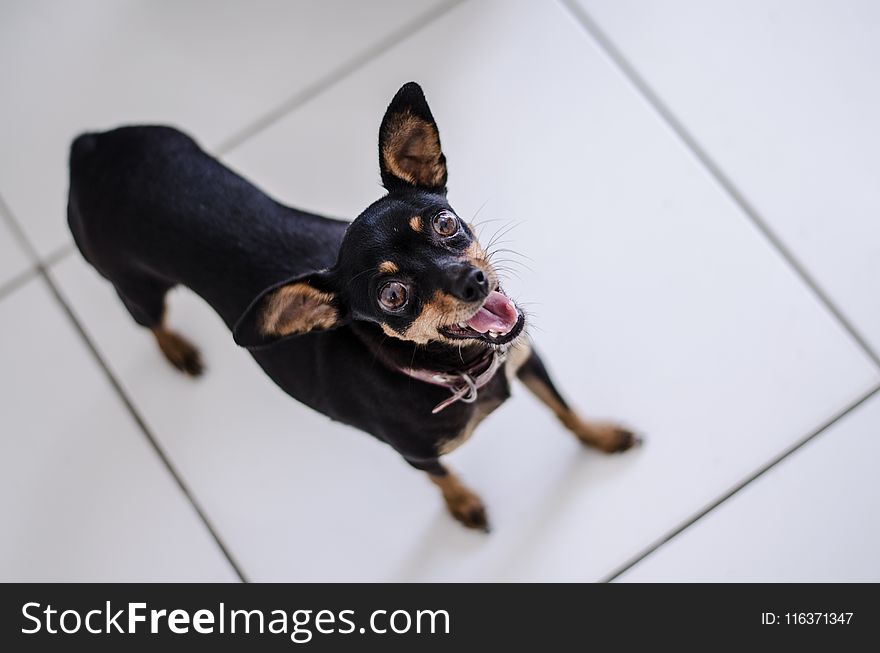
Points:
(497, 314)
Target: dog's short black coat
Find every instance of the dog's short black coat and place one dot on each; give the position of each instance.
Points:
(150, 210)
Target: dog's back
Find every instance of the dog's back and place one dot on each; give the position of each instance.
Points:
(150, 210)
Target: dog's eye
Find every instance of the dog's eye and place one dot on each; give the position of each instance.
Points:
(393, 296)
(445, 224)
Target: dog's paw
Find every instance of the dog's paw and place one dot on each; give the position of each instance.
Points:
(182, 354)
(606, 437)
(470, 511)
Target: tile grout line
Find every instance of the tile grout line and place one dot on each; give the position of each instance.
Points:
(338, 74)
(33, 271)
(715, 171)
(17, 281)
(40, 270)
(157, 448)
(18, 233)
(58, 255)
(30, 252)
(739, 486)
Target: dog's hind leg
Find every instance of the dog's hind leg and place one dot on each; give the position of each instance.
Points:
(179, 351)
(602, 435)
(145, 300)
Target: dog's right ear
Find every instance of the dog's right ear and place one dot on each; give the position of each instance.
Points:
(409, 144)
(290, 308)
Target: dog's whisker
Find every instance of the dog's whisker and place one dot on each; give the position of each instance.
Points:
(482, 206)
(503, 232)
(480, 225)
(497, 234)
(510, 272)
(511, 252)
(361, 273)
(502, 265)
(508, 250)
(506, 241)
(518, 265)
(485, 221)
(499, 259)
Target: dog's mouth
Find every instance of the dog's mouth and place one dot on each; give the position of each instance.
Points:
(497, 322)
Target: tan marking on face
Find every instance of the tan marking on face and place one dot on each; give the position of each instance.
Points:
(476, 256)
(435, 313)
(415, 223)
(444, 309)
(297, 308)
(425, 337)
(475, 252)
(387, 267)
(441, 310)
(412, 151)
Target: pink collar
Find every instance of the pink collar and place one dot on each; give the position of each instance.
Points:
(463, 385)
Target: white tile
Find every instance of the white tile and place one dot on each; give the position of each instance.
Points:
(784, 97)
(655, 302)
(83, 497)
(210, 67)
(13, 260)
(812, 518)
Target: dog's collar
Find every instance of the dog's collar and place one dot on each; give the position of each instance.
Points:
(464, 384)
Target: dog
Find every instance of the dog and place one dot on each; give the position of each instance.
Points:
(395, 323)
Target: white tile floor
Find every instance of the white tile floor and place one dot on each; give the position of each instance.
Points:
(689, 322)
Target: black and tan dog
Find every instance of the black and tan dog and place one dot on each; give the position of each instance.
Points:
(395, 323)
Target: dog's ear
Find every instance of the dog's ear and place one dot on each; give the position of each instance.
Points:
(293, 307)
(409, 144)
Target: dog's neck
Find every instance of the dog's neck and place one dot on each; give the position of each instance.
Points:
(434, 356)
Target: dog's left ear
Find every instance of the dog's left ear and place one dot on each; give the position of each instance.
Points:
(293, 307)
(409, 144)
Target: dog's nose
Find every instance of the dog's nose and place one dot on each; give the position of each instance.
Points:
(470, 284)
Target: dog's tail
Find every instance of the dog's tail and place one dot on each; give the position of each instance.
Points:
(81, 151)
(82, 146)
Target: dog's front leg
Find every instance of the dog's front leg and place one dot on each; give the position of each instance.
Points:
(461, 501)
(603, 435)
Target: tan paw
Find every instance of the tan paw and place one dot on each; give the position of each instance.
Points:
(180, 352)
(606, 437)
(469, 510)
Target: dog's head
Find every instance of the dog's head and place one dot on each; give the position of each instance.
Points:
(408, 263)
